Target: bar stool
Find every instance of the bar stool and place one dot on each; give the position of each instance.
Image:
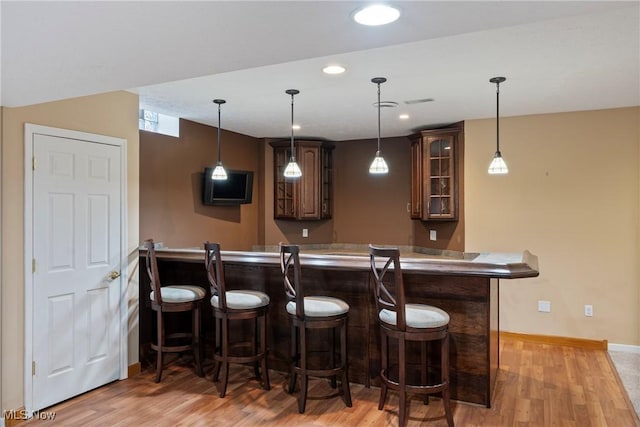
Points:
(312, 312)
(173, 299)
(407, 322)
(242, 305)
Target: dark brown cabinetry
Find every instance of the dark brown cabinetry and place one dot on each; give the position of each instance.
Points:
(435, 173)
(310, 196)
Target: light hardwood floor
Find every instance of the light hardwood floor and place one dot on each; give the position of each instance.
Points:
(538, 385)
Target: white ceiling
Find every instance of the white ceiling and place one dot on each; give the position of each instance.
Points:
(179, 56)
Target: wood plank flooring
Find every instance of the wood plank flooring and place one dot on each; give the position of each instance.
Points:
(538, 385)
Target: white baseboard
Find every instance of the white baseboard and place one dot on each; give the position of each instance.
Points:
(624, 348)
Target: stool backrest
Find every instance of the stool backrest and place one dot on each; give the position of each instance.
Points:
(215, 273)
(290, 268)
(388, 286)
(152, 270)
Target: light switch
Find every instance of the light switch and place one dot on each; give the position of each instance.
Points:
(305, 232)
(432, 234)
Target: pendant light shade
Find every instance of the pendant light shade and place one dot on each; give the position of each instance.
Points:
(219, 174)
(292, 170)
(498, 165)
(378, 165)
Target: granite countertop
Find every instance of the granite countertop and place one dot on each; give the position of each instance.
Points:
(449, 263)
(351, 249)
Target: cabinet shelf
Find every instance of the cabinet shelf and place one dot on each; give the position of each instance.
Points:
(434, 174)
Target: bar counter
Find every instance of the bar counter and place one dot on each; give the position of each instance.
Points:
(464, 285)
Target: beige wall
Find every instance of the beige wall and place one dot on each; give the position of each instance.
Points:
(113, 114)
(171, 188)
(572, 198)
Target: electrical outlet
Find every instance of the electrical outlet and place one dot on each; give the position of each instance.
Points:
(588, 310)
(305, 232)
(432, 234)
(544, 306)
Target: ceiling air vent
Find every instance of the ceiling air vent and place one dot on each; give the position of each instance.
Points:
(418, 101)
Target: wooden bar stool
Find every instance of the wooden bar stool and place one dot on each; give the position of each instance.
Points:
(407, 322)
(173, 299)
(241, 305)
(312, 312)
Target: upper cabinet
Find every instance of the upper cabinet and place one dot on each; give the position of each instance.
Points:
(435, 173)
(310, 196)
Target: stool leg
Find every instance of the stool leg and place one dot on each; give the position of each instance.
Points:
(197, 341)
(254, 348)
(225, 355)
(294, 357)
(160, 340)
(424, 370)
(302, 400)
(332, 356)
(384, 355)
(263, 351)
(217, 349)
(446, 402)
(345, 365)
(402, 381)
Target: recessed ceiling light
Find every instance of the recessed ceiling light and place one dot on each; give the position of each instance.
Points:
(403, 116)
(377, 14)
(334, 69)
(295, 127)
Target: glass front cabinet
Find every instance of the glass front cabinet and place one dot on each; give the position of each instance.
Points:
(310, 196)
(434, 174)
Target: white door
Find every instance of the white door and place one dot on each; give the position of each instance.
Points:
(77, 256)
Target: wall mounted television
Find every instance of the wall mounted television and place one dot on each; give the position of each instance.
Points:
(237, 189)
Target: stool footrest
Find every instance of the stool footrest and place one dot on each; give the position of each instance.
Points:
(173, 348)
(418, 389)
(320, 372)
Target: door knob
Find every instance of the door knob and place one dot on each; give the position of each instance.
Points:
(114, 275)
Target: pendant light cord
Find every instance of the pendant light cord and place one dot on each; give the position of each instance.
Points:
(292, 155)
(378, 118)
(219, 159)
(498, 116)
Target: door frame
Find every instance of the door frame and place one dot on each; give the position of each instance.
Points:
(29, 131)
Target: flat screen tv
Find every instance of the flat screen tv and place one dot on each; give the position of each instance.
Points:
(237, 189)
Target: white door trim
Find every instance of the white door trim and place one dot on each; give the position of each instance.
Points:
(29, 131)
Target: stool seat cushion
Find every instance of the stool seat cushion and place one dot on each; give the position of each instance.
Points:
(418, 316)
(242, 299)
(180, 293)
(318, 306)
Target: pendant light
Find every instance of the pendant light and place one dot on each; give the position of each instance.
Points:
(498, 166)
(378, 165)
(219, 174)
(292, 170)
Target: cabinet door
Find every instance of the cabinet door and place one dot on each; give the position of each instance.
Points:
(416, 179)
(284, 189)
(439, 183)
(309, 188)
